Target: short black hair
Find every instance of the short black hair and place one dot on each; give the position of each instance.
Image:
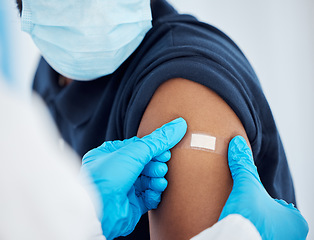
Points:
(19, 5)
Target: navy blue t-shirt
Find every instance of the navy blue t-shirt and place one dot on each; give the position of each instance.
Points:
(178, 46)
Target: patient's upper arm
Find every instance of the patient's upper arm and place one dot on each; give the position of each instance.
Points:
(199, 182)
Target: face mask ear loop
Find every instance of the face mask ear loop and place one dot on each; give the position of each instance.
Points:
(26, 21)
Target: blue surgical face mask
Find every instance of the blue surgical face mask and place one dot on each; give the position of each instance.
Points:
(86, 39)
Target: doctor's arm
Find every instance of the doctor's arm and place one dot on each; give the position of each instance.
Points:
(199, 182)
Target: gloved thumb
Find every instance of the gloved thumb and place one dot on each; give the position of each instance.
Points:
(160, 140)
(240, 160)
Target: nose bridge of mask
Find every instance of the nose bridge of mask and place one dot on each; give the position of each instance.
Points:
(84, 13)
(138, 12)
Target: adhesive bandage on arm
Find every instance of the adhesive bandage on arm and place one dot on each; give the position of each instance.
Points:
(204, 142)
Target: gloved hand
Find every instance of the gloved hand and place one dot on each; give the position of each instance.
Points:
(274, 219)
(115, 169)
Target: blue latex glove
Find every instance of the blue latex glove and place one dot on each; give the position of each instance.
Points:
(274, 219)
(129, 176)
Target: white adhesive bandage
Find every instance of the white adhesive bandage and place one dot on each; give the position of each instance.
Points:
(204, 142)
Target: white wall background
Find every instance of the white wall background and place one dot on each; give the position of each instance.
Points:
(278, 39)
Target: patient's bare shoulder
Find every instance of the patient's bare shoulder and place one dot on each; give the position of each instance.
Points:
(199, 181)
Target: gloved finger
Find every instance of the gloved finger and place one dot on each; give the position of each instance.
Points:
(240, 159)
(151, 199)
(141, 151)
(164, 157)
(158, 142)
(166, 137)
(156, 184)
(111, 146)
(155, 169)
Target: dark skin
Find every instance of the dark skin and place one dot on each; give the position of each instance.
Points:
(199, 182)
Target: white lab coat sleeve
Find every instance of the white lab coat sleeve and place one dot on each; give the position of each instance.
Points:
(41, 197)
(234, 227)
